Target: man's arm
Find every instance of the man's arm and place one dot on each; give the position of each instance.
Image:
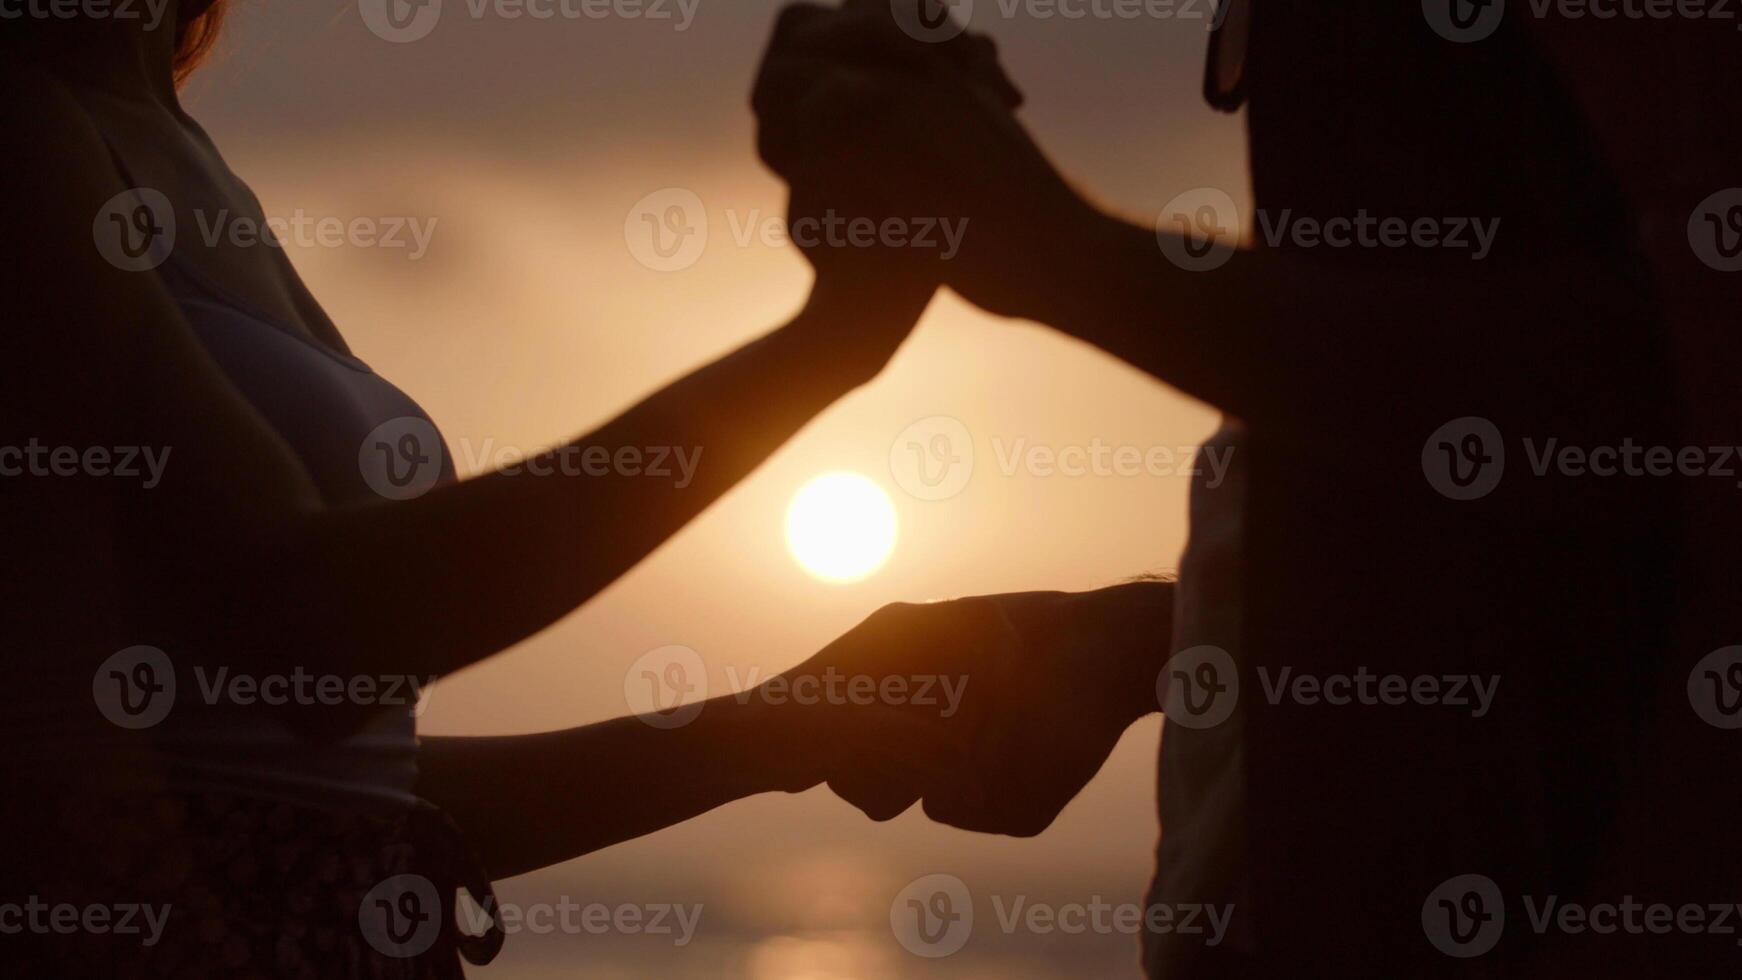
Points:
(1288, 339)
(1280, 338)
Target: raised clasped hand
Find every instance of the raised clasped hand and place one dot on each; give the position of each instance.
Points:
(868, 123)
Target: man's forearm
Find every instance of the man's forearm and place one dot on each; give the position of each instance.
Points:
(1279, 336)
(1116, 638)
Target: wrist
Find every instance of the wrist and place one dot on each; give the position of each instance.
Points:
(788, 755)
(854, 325)
(1130, 627)
(1072, 262)
(1040, 265)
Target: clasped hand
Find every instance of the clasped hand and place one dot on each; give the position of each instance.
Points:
(1002, 709)
(868, 124)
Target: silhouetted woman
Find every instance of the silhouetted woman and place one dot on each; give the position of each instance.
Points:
(305, 522)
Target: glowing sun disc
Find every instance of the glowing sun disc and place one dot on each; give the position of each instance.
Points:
(840, 527)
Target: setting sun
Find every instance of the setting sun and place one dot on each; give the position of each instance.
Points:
(840, 527)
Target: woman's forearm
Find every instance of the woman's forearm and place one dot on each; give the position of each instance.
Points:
(429, 585)
(528, 801)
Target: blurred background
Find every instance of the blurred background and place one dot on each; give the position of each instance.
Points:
(530, 143)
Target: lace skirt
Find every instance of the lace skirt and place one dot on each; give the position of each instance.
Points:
(196, 885)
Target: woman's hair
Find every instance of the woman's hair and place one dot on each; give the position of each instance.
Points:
(195, 34)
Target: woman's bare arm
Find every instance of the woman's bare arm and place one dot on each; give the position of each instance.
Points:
(886, 713)
(1047, 683)
(235, 558)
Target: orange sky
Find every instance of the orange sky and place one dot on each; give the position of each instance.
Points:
(529, 320)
